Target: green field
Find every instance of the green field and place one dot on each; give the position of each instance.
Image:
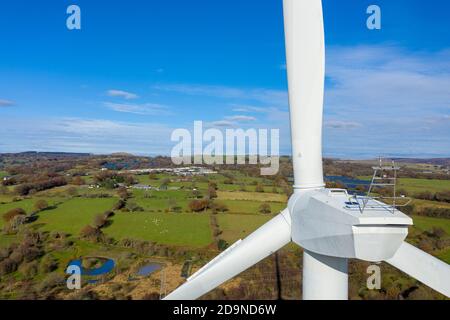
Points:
(6, 240)
(26, 204)
(255, 196)
(250, 207)
(445, 255)
(74, 214)
(421, 185)
(168, 228)
(427, 203)
(427, 223)
(238, 226)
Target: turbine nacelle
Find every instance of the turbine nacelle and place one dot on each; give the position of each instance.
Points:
(332, 223)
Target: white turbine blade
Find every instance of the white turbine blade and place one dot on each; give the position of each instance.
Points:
(422, 266)
(305, 63)
(242, 255)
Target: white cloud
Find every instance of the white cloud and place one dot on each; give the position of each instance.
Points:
(277, 97)
(122, 94)
(221, 123)
(85, 135)
(337, 124)
(399, 100)
(141, 109)
(240, 118)
(6, 103)
(249, 108)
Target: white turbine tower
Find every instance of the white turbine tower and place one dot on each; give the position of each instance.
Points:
(329, 224)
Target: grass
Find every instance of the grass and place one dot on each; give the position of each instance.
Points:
(3, 174)
(254, 196)
(420, 185)
(427, 203)
(74, 214)
(427, 223)
(235, 227)
(6, 240)
(152, 204)
(250, 207)
(445, 255)
(167, 228)
(26, 204)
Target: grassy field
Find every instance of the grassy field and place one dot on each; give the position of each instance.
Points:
(413, 186)
(26, 204)
(168, 228)
(427, 203)
(250, 207)
(254, 196)
(237, 226)
(427, 223)
(6, 240)
(74, 214)
(421, 185)
(445, 255)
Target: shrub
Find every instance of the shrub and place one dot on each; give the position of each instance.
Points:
(212, 193)
(443, 196)
(100, 221)
(16, 256)
(222, 245)
(51, 281)
(123, 193)
(212, 185)
(265, 208)
(12, 226)
(72, 191)
(119, 205)
(198, 205)
(29, 270)
(78, 181)
(26, 188)
(8, 216)
(425, 195)
(259, 188)
(435, 212)
(108, 214)
(4, 253)
(48, 264)
(31, 253)
(7, 266)
(153, 176)
(91, 233)
(40, 205)
(133, 207)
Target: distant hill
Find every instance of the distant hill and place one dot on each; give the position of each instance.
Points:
(432, 161)
(48, 154)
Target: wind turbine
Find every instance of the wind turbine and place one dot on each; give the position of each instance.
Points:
(328, 223)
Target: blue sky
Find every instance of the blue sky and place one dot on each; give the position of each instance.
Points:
(139, 69)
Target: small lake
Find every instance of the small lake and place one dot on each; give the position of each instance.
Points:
(350, 183)
(149, 269)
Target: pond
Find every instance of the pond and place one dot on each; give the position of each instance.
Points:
(149, 269)
(350, 183)
(99, 265)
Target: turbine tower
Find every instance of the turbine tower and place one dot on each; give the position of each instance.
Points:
(329, 224)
